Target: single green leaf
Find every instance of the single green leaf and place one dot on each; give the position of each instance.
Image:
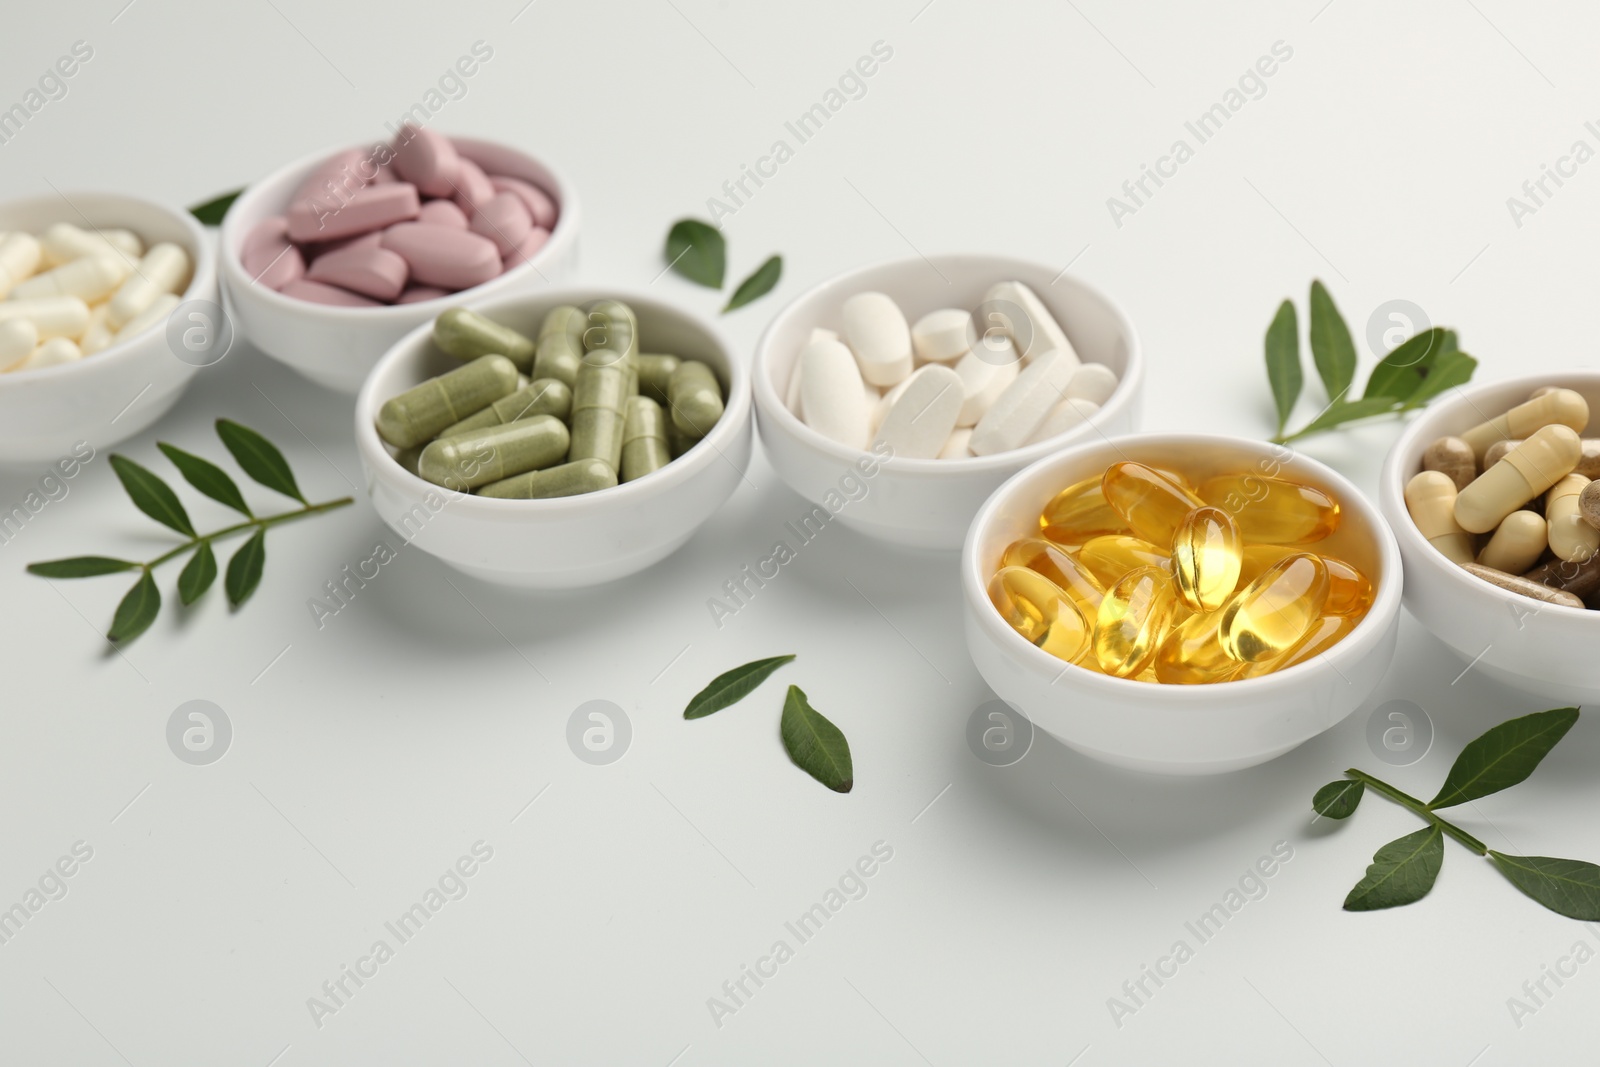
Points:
(1566, 887)
(198, 574)
(1449, 370)
(730, 687)
(211, 212)
(814, 744)
(1283, 361)
(151, 495)
(1398, 374)
(1503, 755)
(81, 567)
(1346, 411)
(1338, 800)
(1331, 348)
(697, 251)
(138, 610)
(207, 477)
(1402, 872)
(757, 285)
(244, 569)
(260, 458)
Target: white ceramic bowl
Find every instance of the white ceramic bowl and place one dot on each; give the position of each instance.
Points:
(117, 392)
(928, 503)
(1542, 648)
(570, 541)
(337, 346)
(1180, 729)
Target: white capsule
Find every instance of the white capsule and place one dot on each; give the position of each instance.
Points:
(63, 242)
(125, 241)
(97, 336)
(52, 353)
(18, 339)
(1094, 382)
(878, 335)
(53, 316)
(1066, 415)
(162, 270)
(19, 258)
(831, 395)
(1039, 334)
(985, 373)
(156, 312)
(920, 419)
(942, 336)
(1018, 412)
(89, 278)
(955, 447)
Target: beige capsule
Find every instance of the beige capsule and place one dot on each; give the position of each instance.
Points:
(1431, 500)
(1571, 538)
(1544, 459)
(1514, 584)
(1517, 543)
(1561, 407)
(1588, 458)
(1454, 457)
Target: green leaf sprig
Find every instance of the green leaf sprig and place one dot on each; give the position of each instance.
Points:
(1404, 870)
(813, 743)
(698, 251)
(1415, 372)
(212, 211)
(259, 459)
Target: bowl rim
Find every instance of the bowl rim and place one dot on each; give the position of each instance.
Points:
(736, 411)
(202, 278)
(1391, 488)
(232, 236)
(1385, 602)
(771, 405)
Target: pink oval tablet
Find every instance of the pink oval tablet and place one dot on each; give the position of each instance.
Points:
(538, 202)
(426, 159)
(317, 293)
(371, 208)
(268, 257)
(365, 240)
(418, 293)
(375, 272)
(528, 248)
(504, 220)
(451, 259)
(472, 188)
(342, 169)
(442, 213)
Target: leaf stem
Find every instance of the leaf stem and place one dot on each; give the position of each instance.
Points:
(1406, 800)
(261, 522)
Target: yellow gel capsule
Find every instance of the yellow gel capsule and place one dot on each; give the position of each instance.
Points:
(1273, 612)
(1132, 621)
(1206, 556)
(1110, 556)
(1323, 635)
(1151, 501)
(1257, 558)
(1040, 611)
(1056, 564)
(1349, 591)
(1192, 653)
(1078, 513)
(1273, 511)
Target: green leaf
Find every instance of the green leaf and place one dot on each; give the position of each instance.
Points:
(697, 251)
(244, 569)
(730, 687)
(1402, 872)
(152, 495)
(198, 574)
(1449, 370)
(211, 212)
(81, 567)
(757, 285)
(1338, 800)
(1503, 755)
(1345, 411)
(1283, 361)
(1399, 373)
(260, 458)
(814, 744)
(1566, 887)
(207, 477)
(138, 610)
(1331, 348)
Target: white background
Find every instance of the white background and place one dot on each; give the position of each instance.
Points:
(370, 754)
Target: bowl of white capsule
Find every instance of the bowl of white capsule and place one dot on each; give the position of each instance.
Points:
(897, 397)
(93, 287)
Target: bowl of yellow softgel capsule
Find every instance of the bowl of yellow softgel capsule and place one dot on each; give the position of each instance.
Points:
(555, 440)
(1182, 604)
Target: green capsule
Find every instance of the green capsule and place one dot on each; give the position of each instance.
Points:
(467, 335)
(695, 397)
(407, 458)
(654, 374)
(483, 456)
(644, 438)
(417, 415)
(560, 345)
(563, 318)
(597, 408)
(569, 479)
(611, 324)
(543, 396)
(679, 442)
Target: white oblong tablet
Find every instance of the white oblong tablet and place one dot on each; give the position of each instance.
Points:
(955, 447)
(1094, 382)
(831, 395)
(877, 333)
(1064, 416)
(921, 418)
(1040, 334)
(1017, 413)
(942, 336)
(984, 376)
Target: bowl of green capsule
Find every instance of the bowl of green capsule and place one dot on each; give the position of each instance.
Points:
(554, 440)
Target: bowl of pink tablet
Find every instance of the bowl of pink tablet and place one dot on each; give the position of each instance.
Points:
(329, 261)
